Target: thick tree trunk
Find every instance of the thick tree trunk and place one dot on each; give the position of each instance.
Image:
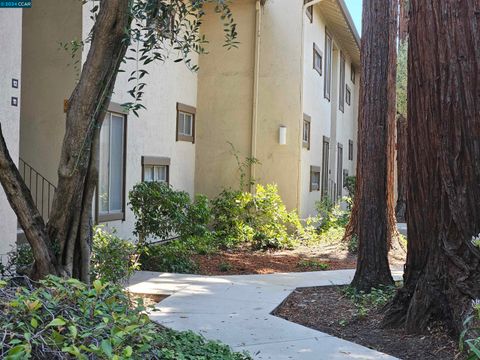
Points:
(401, 206)
(63, 246)
(374, 204)
(442, 275)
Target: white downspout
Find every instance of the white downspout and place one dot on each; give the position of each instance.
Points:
(256, 72)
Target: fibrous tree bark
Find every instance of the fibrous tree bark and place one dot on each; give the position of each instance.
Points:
(372, 218)
(401, 205)
(62, 247)
(442, 274)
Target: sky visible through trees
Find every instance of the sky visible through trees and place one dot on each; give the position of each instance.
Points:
(355, 8)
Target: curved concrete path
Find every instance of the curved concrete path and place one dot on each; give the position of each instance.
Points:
(236, 310)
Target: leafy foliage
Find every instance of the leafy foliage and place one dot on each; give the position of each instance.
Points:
(331, 215)
(65, 319)
(350, 183)
(162, 212)
(259, 219)
(402, 78)
(469, 339)
(113, 259)
(375, 299)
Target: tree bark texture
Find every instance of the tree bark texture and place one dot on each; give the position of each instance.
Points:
(374, 198)
(442, 275)
(401, 205)
(62, 247)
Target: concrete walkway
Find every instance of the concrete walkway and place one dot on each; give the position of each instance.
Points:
(236, 310)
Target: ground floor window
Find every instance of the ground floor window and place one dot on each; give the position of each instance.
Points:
(111, 180)
(314, 178)
(155, 169)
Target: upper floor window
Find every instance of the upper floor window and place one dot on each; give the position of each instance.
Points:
(341, 94)
(352, 73)
(348, 95)
(350, 150)
(317, 59)
(306, 131)
(111, 179)
(185, 123)
(328, 65)
(155, 169)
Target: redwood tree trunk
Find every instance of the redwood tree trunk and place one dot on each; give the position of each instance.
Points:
(401, 206)
(373, 217)
(63, 246)
(442, 276)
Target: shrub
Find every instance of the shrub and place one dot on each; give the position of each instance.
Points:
(113, 259)
(350, 183)
(65, 319)
(172, 257)
(160, 212)
(331, 215)
(469, 340)
(260, 219)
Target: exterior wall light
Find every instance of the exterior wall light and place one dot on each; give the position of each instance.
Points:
(282, 135)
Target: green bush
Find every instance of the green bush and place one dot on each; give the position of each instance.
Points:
(469, 340)
(113, 259)
(350, 183)
(331, 215)
(161, 212)
(65, 319)
(259, 219)
(176, 256)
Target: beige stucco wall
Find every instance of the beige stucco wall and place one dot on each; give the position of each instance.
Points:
(10, 43)
(153, 132)
(326, 118)
(49, 77)
(225, 94)
(226, 88)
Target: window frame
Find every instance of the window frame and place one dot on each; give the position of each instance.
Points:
(116, 109)
(352, 73)
(315, 170)
(327, 87)
(348, 95)
(156, 161)
(309, 11)
(339, 170)
(350, 150)
(317, 52)
(341, 95)
(185, 109)
(307, 120)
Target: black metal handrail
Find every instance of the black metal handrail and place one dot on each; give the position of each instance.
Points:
(41, 189)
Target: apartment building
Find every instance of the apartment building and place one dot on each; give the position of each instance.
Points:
(288, 96)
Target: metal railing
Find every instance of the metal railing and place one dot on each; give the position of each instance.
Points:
(41, 189)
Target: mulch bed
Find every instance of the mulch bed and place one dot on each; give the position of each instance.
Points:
(326, 309)
(243, 262)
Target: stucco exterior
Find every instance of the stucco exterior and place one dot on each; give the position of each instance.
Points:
(10, 68)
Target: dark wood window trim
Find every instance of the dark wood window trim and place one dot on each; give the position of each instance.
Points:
(350, 150)
(341, 95)
(156, 161)
(101, 218)
(182, 108)
(348, 95)
(307, 120)
(309, 11)
(327, 88)
(317, 53)
(315, 170)
(352, 73)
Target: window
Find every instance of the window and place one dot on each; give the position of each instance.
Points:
(352, 73)
(350, 150)
(345, 176)
(317, 59)
(325, 163)
(111, 179)
(341, 94)
(309, 11)
(185, 123)
(328, 65)
(339, 170)
(155, 169)
(314, 178)
(348, 95)
(306, 131)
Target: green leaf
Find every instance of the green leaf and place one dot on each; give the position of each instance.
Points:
(34, 323)
(57, 322)
(73, 331)
(128, 351)
(106, 348)
(97, 285)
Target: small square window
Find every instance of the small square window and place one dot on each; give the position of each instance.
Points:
(155, 169)
(14, 101)
(185, 123)
(317, 59)
(348, 95)
(306, 134)
(314, 178)
(15, 83)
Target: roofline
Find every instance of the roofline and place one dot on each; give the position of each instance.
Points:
(350, 22)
